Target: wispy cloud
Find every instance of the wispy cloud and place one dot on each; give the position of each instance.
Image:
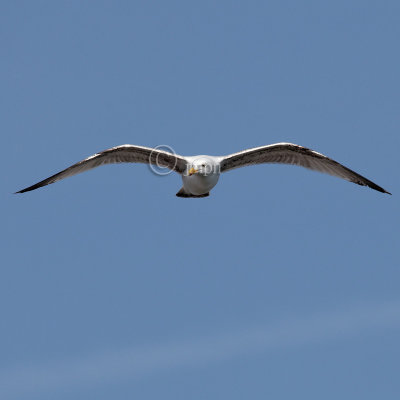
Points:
(137, 362)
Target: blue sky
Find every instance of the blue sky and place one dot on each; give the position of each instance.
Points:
(283, 283)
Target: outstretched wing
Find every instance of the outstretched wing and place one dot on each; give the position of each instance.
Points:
(288, 153)
(126, 153)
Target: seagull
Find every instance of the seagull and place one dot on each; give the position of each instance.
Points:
(201, 173)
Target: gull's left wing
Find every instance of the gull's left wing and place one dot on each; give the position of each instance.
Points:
(288, 153)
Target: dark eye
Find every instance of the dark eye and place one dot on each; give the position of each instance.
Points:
(203, 165)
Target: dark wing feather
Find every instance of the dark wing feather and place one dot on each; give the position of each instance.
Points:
(121, 154)
(288, 153)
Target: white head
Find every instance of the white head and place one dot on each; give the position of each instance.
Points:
(203, 166)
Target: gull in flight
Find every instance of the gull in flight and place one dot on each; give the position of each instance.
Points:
(201, 173)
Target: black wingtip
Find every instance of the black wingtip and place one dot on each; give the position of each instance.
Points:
(28, 189)
(374, 186)
(380, 189)
(21, 191)
(383, 191)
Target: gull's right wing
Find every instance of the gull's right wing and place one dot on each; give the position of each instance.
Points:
(126, 153)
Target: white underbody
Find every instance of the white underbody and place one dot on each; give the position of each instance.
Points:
(197, 184)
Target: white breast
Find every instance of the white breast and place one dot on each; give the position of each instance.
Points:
(199, 184)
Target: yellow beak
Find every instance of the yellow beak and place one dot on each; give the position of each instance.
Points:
(192, 171)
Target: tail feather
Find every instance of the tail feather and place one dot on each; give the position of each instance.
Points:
(183, 193)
